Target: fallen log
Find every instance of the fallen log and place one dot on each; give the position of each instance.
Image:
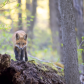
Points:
(21, 72)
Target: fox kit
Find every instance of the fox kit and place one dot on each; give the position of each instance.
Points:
(20, 42)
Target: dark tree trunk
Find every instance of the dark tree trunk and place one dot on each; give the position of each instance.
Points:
(54, 25)
(20, 16)
(32, 21)
(69, 42)
(58, 16)
(78, 5)
(28, 11)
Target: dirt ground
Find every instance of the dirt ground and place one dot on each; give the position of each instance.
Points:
(20, 72)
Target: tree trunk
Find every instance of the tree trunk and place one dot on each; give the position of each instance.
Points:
(54, 25)
(20, 16)
(32, 21)
(28, 12)
(78, 5)
(69, 42)
(58, 16)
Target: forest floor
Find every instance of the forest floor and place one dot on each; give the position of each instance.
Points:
(20, 72)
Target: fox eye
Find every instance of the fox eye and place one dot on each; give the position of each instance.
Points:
(18, 43)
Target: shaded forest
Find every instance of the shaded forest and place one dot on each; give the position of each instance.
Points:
(55, 37)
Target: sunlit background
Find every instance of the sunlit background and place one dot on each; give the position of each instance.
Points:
(33, 16)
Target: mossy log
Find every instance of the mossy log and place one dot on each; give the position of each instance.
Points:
(21, 72)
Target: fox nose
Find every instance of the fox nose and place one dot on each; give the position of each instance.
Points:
(21, 47)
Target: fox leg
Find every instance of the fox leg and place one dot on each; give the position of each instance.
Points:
(16, 53)
(26, 59)
(22, 54)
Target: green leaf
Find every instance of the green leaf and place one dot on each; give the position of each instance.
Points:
(36, 52)
(28, 21)
(29, 39)
(61, 44)
(80, 50)
(18, 5)
(82, 38)
(45, 50)
(82, 63)
(28, 24)
(32, 16)
(62, 70)
(4, 3)
(79, 71)
(5, 12)
(24, 18)
(82, 44)
(31, 19)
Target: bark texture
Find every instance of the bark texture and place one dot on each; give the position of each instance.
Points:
(78, 5)
(58, 17)
(69, 42)
(20, 16)
(55, 26)
(21, 72)
(31, 27)
(28, 11)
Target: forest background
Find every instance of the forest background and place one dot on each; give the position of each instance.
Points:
(16, 15)
(41, 21)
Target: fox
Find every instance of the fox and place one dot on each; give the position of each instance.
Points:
(19, 39)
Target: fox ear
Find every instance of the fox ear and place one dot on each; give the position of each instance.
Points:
(25, 37)
(17, 36)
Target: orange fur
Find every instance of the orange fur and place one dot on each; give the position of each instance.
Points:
(21, 40)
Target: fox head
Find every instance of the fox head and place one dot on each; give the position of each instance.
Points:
(21, 42)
